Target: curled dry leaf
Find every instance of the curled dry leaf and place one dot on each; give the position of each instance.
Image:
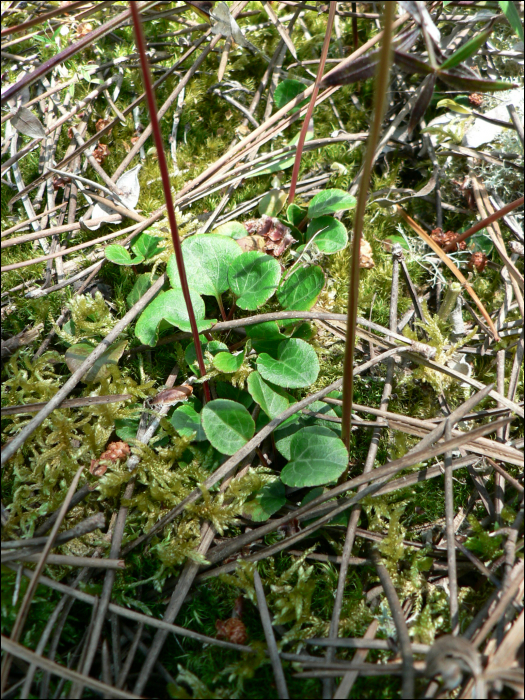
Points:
(114, 451)
(365, 255)
(233, 630)
(477, 260)
(100, 153)
(101, 124)
(168, 397)
(84, 29)
(444, 238)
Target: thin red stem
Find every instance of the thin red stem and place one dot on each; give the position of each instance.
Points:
(381, 87)
(163, 167)
(484, 223)
(308, 116)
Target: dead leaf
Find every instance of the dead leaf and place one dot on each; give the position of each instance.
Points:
(251, 243)
(101, 124)
(26, 123)
(84, 29)
(168, 397)
(129, 187)
(101, 152)
(365, 255)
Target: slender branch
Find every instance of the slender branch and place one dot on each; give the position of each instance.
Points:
(297, 164)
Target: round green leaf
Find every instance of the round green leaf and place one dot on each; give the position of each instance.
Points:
(272, 202)
(286, 91)
(295, 214)
(272, 399)
(267, 502)
(187, 421)
(207, 258)
(317, 457)
(297, 365)
(284, 433)
(170, 306)
(141, 286)
(228, 363)
(332, 239)
(330, 201)
(228, 391)
(232, 229)
(146, 246)
(266, 337)
(253, 277)
(120, 256)
(301, 289)
(227, 424)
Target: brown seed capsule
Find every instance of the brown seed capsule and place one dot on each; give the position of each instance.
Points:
(233, 630)
(168, 397)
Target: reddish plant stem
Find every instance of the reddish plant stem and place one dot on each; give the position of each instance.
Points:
(152, 106)
(308, 116)
(381, 87)
(230, 315)
(484, 223)
(221, 308)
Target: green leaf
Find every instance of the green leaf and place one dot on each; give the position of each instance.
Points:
(76, 354)
(187, 421)
(268, 501)
(480, 242)
(228, 363)
(470, 84)
(334, 237)
(287, 91)
(253, 278)
(207, 258)
(171, 307)
(295, 214)
(330, 201)
(305, 331)
(227, 424)
(511, 13)
(213, 347)
(467, 50)
(272, 399)
(266, 337)
(120, 256)
(233, 229)
(141, 286)
(126, 428)
(454, 106)
(297, 365)
(272, 202)
(317, 457)
(301, 289)
(228, 391)
(146, 246)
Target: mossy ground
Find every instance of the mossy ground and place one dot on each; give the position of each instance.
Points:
(36, 480)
